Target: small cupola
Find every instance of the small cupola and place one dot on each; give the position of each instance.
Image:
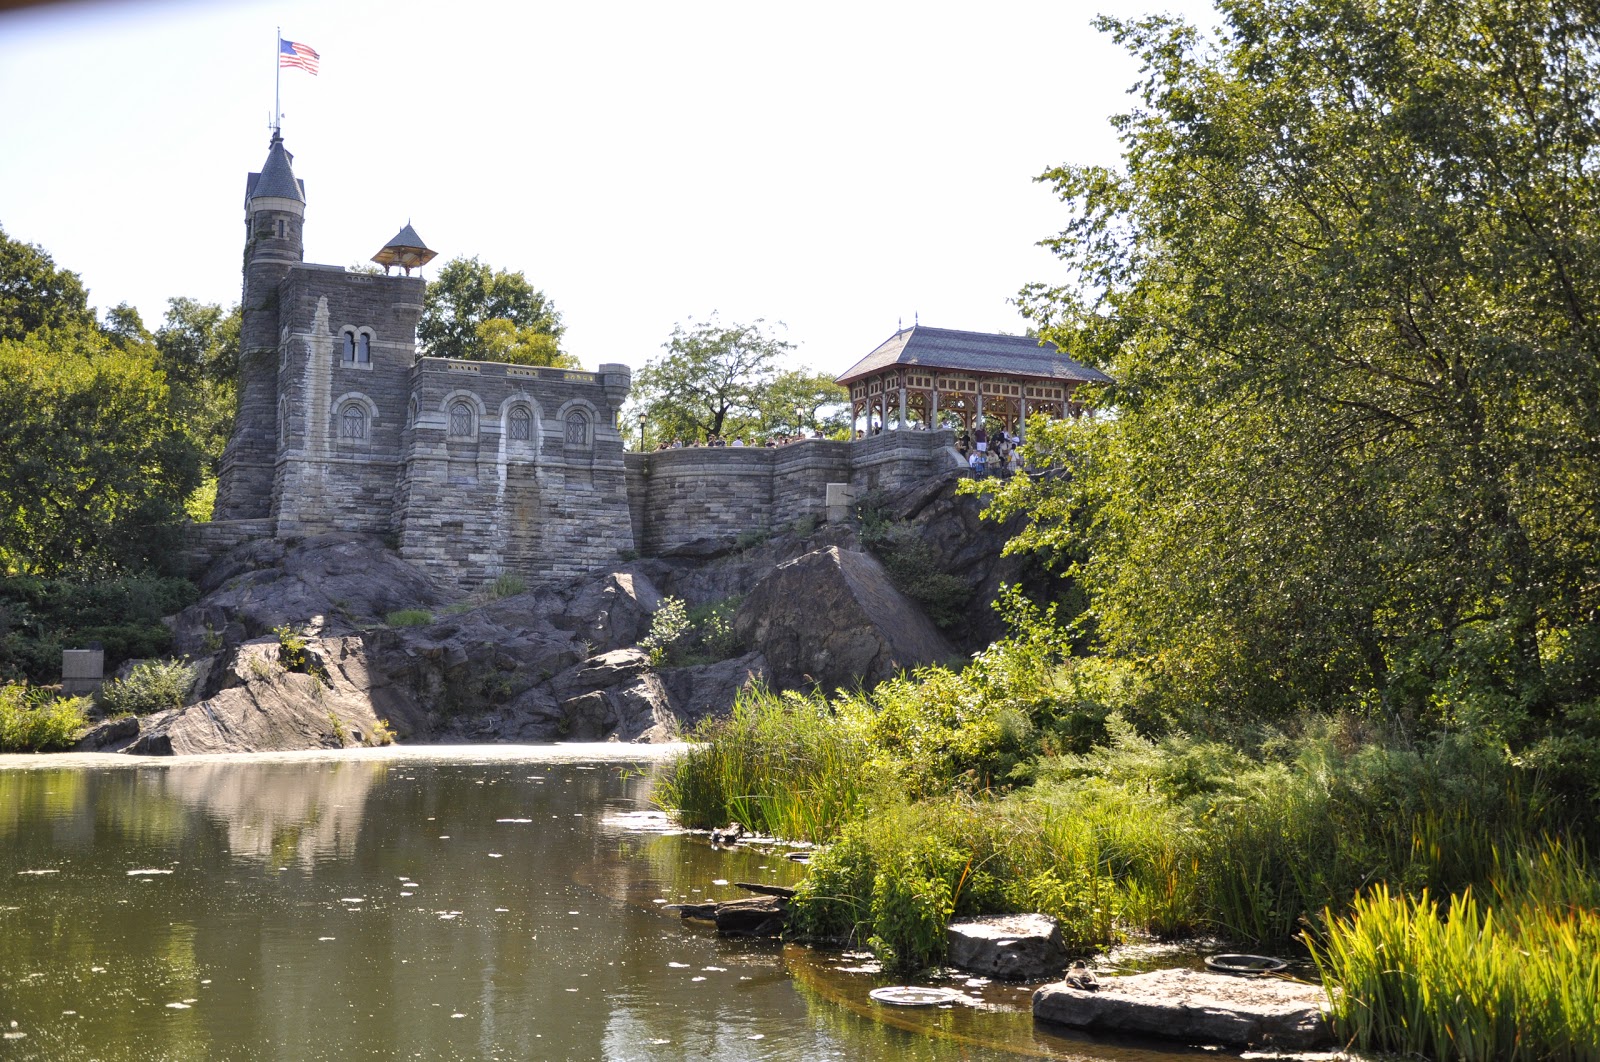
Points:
(406, 250)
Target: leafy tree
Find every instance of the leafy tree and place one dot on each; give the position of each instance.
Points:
(468, 295)
(198, 347)
(799, 401)
(94, 461)
(501, 340)
(1347, 282)
(125, 328)
(712, 380)
(35, 295)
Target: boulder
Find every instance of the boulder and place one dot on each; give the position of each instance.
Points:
(1193, 1005)
(109, 735)
(1016, 947)
(254, 704)
(333, 584)
(709, 689)
(833, 618)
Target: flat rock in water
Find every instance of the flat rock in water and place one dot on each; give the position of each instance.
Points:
(1017, 947)
(759, 916)
(1196, 1006)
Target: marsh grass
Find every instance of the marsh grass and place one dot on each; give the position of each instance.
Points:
(38, 720)
(781, 764)
(1513, 973)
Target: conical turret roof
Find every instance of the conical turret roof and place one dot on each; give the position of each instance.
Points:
(276, 178)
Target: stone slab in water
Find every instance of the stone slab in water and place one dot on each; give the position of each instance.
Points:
(1196, 1006)
(1017, 947)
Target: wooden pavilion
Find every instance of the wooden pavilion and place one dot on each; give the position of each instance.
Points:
(934, 377)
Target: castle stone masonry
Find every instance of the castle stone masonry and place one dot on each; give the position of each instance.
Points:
(475, 468)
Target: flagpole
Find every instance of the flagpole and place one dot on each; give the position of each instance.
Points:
(277, 84)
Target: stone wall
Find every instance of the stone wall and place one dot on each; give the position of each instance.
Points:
(511, 468)
(723, 492)
(205, 544)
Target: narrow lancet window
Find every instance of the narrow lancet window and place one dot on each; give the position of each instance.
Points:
(363, 349)
(577, 429)
(521, 425)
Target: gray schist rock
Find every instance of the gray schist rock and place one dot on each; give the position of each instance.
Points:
(1017, 947)
(1194, 1005)
(833, 618)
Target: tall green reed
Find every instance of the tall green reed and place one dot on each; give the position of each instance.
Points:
(1465, 980)
(783, 764)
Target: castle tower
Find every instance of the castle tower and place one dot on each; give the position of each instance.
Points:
(275, 207)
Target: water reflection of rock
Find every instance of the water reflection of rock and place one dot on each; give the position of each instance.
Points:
(282, 813)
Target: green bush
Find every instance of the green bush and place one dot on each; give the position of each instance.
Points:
(680, 636)
(38, 720)
(667, 628)
(409, 617)
(40, 617)
(152, 686)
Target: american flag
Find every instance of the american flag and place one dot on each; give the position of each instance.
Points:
(291, 53)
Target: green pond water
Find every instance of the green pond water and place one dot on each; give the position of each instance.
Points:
(464, 903)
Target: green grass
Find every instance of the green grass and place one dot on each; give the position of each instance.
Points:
(38, 720)
(409, 617)
(1516, 977)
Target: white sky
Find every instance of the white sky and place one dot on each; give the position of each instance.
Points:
(832, 166)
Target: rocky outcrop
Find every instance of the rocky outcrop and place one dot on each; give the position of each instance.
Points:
(252, 702)
(834, 619)
(1015, 947)
(556, 662)
(1196, 1006)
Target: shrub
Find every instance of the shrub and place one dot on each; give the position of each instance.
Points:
(667, 627)
(382, 734)
(38, 720)
(152, 686)
(409, 617)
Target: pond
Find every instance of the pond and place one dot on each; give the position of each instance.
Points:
(457, 903)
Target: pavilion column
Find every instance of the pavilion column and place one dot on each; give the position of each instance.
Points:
(979, 422)
(933, 404)
(902, 407)
(1022, 415)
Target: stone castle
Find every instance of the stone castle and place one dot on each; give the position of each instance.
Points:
(473, 468)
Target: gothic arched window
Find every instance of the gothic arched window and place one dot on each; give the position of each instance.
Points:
(521, 425)
(348, 352)
(577, 429)
(363, 349)
(461, 419)
(353, 421)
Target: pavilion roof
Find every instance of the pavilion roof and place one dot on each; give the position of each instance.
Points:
(975, 352)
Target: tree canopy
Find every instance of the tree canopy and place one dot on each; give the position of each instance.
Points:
(1347, 281)
(474, 311)
(725, 380)
(97, 450)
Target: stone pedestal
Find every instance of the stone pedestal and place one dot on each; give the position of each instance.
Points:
(82, 671)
